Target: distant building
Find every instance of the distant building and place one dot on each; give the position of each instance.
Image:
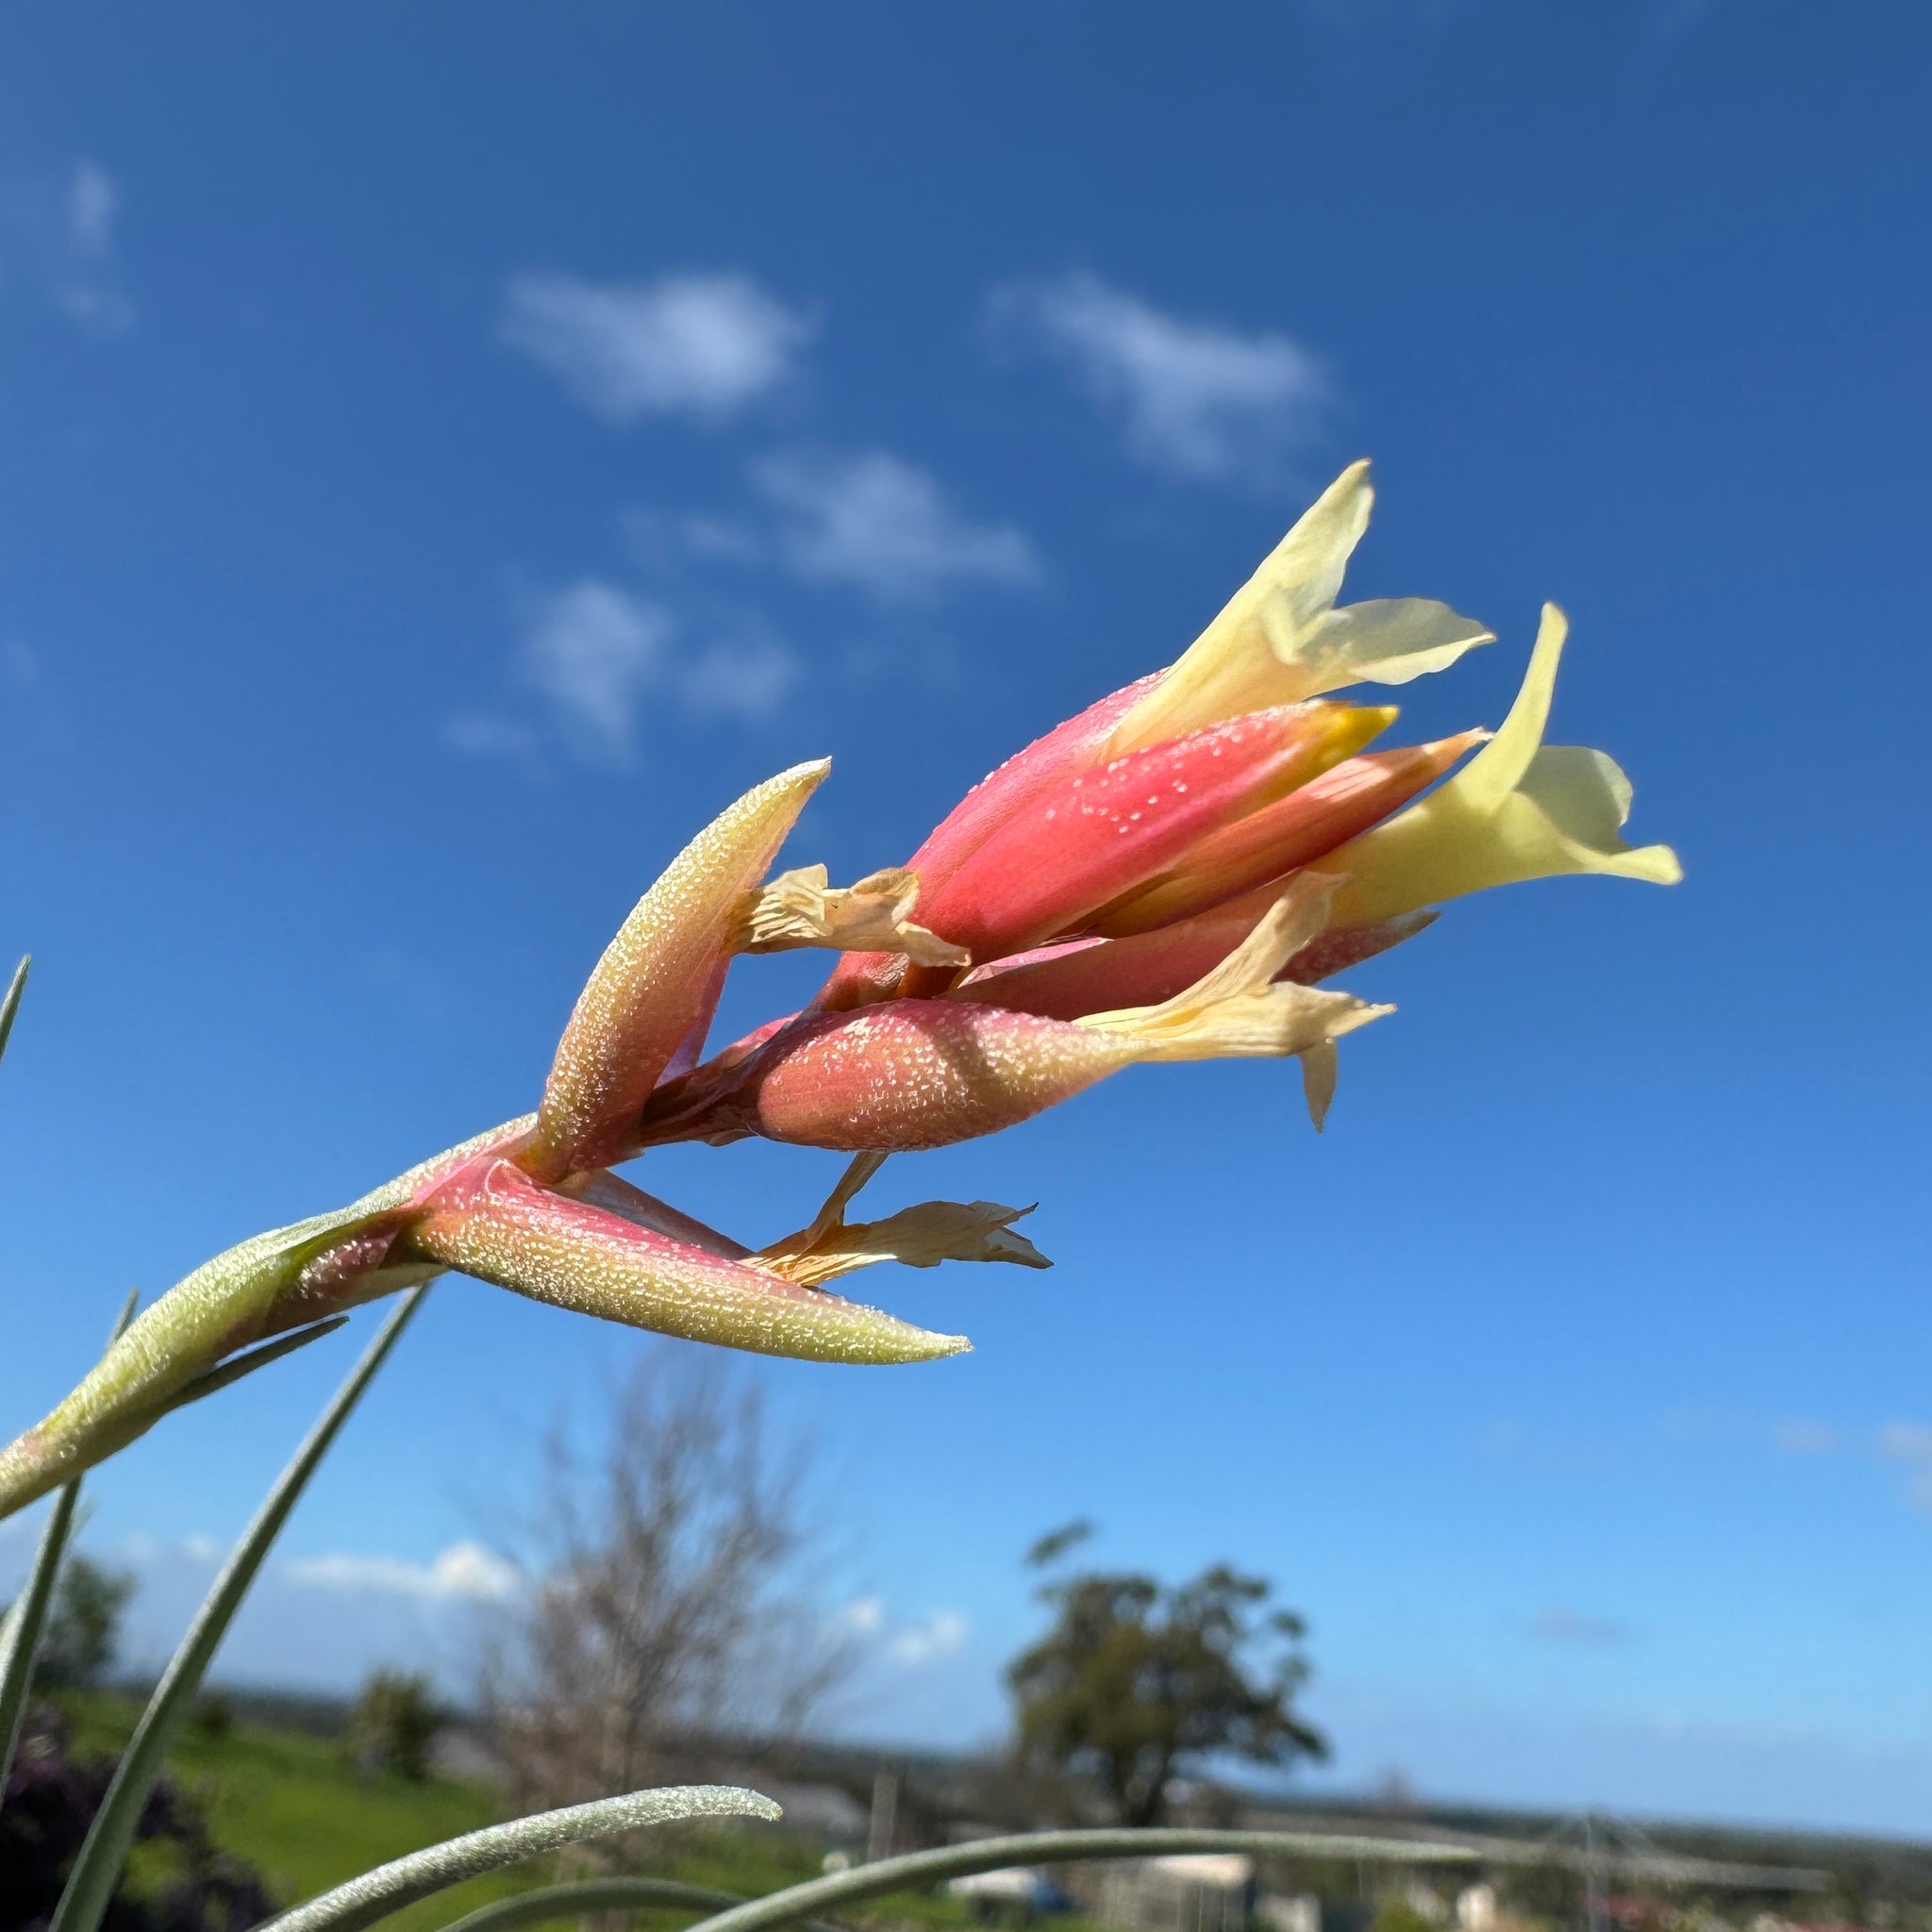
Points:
(1475, 1908)
(1206, 1892)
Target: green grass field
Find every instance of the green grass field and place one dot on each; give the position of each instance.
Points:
(295, 1807)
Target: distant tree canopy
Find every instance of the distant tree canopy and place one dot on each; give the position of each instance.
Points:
(1136, 1680)
(83, 1628)
(395, 1722)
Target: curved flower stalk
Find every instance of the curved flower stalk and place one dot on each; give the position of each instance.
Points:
(1168, 875)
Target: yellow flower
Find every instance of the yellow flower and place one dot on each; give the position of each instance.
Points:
(1519, 809)
(1280, 638)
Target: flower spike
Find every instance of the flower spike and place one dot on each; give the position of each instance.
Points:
(1167, 875)
(915, 1073)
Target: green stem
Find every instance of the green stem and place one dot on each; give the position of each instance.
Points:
(389, 1888)
(1055, 1848)
(20, 1635)
(585, 1895)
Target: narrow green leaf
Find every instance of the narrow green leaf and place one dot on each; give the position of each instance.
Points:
(587, 1895)
(20, 1636)
(237, 1366)
(19, 1633)
(389, 1888)
(9, 1002)
(97, 1869)
(1054, 1848)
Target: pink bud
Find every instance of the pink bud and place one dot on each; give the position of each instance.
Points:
(913, 1073)
(1089, 840)
(1066, 751)
(1096, 975)
(1281, 837)
(653, 990)
(908, 1075)
(491, 1220)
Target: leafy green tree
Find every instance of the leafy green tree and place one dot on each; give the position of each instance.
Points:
(394, 1723)
(1397, 1914)
(83, 1628)
(1136, 1680)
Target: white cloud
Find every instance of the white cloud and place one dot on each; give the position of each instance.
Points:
(1560, 1623)
(594, 650)
(57, 233)
(908, 1645)
(940, 1635)
(877, 522)
(697, 345)
(661, 542)
(478, 735)
(1197, 399)
(462, 1571)
(20, 669)
(1910, 1443)
(1800, 1436)
(865, 1616)
(746, 677)
(599, 654)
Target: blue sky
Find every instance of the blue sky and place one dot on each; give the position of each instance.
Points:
(444, 455)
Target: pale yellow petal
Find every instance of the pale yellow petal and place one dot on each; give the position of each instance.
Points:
(1385, 640)
(1520, 809)
(1238, 663)
(1236, 1010)
(1562, 818)
(1495, 771)
(918, 1237)
(798, 909)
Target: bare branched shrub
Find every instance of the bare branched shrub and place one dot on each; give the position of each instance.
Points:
(671, 1631)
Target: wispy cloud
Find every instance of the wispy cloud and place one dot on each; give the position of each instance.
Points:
(1673, 19)
(910, 1645)
(20, 667)
(884, 525)
(57, 233)
(483, 735)
(593, 651)
(1799, 1434)
(664, 541)
(1909, 1445)
(865, 1616)
(747, 673)
(701, 346)
(1197, 399)
(462, 1571)
(1560, 1623)
(600, 657)
(924, 1642)
(27, 696)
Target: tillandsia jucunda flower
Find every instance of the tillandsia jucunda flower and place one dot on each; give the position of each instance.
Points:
(1168, 875)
